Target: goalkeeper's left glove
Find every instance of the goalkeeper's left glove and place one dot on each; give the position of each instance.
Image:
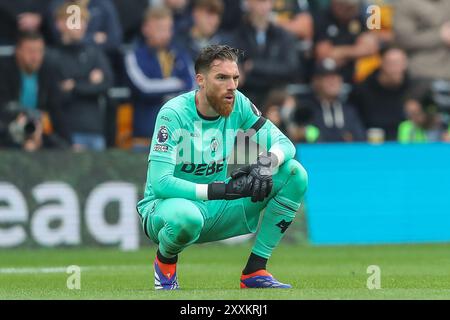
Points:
(236, 188)
(259, 175)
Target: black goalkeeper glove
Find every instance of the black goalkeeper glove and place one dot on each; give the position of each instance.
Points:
(236, 188)
(259, 176)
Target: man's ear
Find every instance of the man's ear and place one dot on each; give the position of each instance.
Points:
(200, 79)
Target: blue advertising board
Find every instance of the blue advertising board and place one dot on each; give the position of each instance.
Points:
(377, 194)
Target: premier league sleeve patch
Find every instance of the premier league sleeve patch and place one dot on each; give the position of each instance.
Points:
(163, 134)
(161, 138)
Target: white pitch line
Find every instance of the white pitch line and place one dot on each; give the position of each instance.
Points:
(32, 270)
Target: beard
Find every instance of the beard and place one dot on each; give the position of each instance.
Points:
(221, 106)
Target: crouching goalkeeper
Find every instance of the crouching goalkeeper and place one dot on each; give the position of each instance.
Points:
(188, 198)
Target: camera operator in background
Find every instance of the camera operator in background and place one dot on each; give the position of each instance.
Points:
(293, 119)
(278, 108)
(424, 122)
(301, 128)
(21, 128)
(30, 114)
(336, 119)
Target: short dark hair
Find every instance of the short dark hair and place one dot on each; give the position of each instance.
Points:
(214, 52)
(215, 6)
(28, 36)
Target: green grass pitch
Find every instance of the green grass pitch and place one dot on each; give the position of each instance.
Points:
(212, 272)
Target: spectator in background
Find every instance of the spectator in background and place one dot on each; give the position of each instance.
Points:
(301, 128)
(336, 120)
(104, 29)
(206, 16)
(341, 34)
(157, 70)
(422, 28)
(278, 107)
(381, 97)
(30, 98)
(181, 13)
(383, 32)
(20, 16)
(130, 16)
(424, 123)
(296, 122)
(318, 6)
(232, 15)
(271, 58)
(293, 16)
(84, 76)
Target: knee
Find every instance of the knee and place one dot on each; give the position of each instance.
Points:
(297, 175)
(188, 224)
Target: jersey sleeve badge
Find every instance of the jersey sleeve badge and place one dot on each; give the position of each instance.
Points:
(161, 138)
(163, 134)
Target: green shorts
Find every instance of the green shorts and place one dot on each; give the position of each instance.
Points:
(223, 219)
(220, 219)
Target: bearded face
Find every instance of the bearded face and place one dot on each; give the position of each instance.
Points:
(222, 103)
(220, 86)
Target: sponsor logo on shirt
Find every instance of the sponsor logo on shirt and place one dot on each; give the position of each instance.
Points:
(203, 169)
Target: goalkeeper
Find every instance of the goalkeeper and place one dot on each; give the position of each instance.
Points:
(188, 198)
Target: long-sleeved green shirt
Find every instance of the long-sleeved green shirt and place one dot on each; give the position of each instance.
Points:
(190, 151)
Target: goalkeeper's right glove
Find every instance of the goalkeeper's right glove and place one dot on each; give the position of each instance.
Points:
(236, 188)
(259, 176)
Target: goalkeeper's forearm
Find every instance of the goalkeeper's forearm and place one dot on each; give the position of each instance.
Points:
(165, 185)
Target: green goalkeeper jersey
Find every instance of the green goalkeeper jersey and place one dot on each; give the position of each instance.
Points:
(189, 151)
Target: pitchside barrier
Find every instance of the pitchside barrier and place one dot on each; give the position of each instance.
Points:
(357, 194)
(53, 199)
(65, 199)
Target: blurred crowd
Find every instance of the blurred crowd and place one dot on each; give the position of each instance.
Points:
(92, 74)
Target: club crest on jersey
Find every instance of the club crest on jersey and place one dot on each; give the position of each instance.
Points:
(214, 145)
(163, 134)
